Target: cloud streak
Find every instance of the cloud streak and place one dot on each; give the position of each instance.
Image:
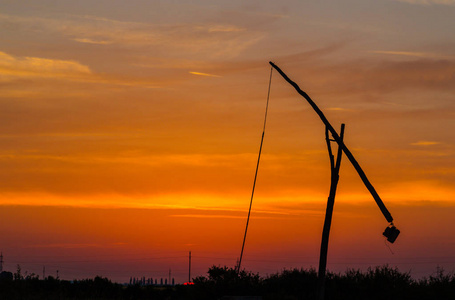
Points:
(414, 54)
(41, 67)
(425, 143)
(429, 2)
(16, 67)
(204, 74)
(90, 41)
(201, 39)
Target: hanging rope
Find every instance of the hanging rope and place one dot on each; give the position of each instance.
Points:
(256, 174)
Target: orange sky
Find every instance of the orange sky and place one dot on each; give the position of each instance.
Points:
(131, 131)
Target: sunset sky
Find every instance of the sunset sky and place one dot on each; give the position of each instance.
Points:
(130, 130)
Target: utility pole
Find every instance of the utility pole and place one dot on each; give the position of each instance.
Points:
(189, 267)
(334, 170)
(1, 262)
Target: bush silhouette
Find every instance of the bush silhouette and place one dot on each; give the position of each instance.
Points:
(225, 281)
(383, 282)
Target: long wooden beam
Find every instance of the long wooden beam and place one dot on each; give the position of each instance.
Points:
(341, 144)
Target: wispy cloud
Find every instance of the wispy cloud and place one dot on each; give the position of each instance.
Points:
(425, 143)
(384, 76)
(200, 216)
(40, 67)
(414, 54)
(90, 41)
(429, 2)
(223, 28)
(204, 39)
(208, 216)
(339, 109)
(48, 69)
(77, 245)
(204, 74)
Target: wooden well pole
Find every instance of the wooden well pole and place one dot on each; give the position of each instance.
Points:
(334, 171)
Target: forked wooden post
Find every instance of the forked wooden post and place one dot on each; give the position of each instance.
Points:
(334, 171)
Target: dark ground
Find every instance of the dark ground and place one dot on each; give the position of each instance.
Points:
(376, 283)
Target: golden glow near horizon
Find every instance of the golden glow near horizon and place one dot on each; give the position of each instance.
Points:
(157, 108)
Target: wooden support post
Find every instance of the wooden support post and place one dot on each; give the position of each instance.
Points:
(335, 169)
